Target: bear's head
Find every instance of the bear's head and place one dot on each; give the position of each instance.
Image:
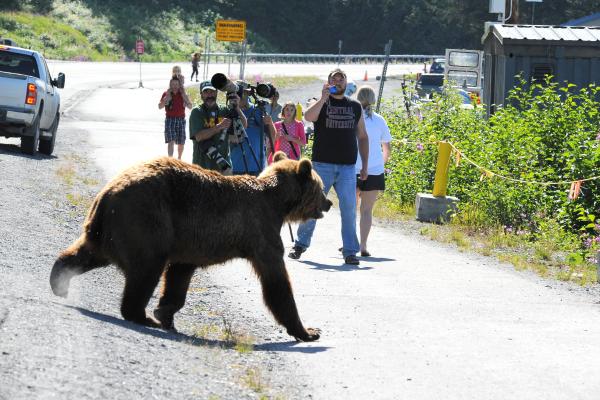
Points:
(302, 187)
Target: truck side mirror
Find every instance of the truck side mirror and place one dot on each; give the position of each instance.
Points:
(60, 81)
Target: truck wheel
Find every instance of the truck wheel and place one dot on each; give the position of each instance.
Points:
(47, 143)
(29, 143)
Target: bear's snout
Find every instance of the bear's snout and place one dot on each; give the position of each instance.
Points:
(326, 205)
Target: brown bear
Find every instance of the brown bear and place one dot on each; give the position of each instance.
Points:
(167, 217)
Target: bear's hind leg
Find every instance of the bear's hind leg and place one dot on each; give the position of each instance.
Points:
(140, 281)
(176, 281)
(278, 296)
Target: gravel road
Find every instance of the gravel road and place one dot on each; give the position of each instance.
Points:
(418, 320)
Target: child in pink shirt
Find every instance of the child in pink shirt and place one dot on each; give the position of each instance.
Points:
(289, 133)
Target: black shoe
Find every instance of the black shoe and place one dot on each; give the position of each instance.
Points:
(365, 254)
(296, 252)
(352, 260)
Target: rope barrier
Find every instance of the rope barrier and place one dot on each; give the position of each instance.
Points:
(487, 173)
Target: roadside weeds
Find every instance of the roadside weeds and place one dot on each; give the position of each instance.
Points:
(546, 256)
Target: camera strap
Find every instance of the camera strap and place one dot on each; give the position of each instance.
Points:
(291, 143)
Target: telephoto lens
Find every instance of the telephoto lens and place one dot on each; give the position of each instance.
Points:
(214, 154)
(266, 90)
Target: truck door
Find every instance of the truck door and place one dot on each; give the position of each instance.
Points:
(464, 69)
(51, 104)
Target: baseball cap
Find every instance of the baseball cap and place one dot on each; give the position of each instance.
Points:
(206, 85)
(336, 72)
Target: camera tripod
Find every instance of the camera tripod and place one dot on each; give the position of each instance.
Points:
(239, 132)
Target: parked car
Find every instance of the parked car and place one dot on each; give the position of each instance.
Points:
(29, 99)
(428, 84)
(438, 66)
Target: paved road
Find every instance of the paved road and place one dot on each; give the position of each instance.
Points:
(418, 320)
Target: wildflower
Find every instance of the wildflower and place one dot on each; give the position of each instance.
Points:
(598, 136)
(588, 242)
(419, 147)
(508, 229)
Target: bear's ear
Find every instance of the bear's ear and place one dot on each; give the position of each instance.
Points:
(304, 168)
(280, 155)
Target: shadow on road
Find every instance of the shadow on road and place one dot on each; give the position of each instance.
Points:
(335, 268)
(15, 150)
(289, 346)
(377, 259)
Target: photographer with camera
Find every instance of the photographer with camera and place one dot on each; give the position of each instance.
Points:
(338, 122)
(255, 143)
(174, 100)
(209, 127)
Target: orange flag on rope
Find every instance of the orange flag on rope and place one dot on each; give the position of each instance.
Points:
(575, 190)
(456, 158)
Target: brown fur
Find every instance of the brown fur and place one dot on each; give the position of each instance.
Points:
(167, 217)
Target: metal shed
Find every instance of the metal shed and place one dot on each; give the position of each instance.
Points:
(568, 53)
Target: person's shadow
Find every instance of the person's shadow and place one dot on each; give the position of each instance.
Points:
(335, 267)
(287, 346)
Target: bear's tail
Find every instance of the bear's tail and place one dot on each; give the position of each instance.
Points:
(83, 255)
(79, 258)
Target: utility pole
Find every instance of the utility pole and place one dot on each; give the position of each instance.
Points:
(512, 8)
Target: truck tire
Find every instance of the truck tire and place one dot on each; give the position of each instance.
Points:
(47, 143)
(29, 144)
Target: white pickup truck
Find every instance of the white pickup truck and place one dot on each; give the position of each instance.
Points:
(29, 99)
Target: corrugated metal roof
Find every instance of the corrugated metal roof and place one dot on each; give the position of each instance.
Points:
(546, 32)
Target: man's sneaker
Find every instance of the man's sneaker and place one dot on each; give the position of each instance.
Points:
(295, 252)
(352, 260)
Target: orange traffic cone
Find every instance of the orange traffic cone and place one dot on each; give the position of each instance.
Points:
(366, 78)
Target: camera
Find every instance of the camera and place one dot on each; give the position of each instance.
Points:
(210, 149)
(266, 90)
(222, 83)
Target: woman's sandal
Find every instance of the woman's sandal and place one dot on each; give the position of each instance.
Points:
(365, 254)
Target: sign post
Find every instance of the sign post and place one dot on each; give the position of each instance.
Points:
(233, 31)
(533, 7)
(139, 49)
(388, 49)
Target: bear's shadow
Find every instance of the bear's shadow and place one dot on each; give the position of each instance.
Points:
(288, 346)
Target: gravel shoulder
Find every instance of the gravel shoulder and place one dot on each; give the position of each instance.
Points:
(80, 348)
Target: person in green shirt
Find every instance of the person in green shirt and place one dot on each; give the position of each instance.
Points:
(209, 124)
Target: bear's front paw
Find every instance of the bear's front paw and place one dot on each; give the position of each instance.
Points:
(310, 335)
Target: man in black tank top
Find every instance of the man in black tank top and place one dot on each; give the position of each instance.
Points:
(338, 123)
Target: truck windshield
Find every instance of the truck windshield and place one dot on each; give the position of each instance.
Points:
(18, 64)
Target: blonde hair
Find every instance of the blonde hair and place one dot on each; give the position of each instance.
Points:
(288, 103)
(366, 97)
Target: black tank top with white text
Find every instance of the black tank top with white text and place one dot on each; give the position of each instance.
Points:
(335, 132)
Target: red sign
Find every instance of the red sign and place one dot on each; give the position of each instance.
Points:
(139, 46)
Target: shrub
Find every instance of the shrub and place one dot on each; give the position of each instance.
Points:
(544, 134)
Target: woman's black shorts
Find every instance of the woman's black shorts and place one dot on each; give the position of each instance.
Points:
(373, 182)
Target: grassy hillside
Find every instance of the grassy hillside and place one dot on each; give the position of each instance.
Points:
(56, 40)
(105, 30)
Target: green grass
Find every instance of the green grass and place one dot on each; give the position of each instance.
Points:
(54, 39)
(549, 252)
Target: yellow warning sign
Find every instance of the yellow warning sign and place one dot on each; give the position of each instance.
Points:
(229, 30)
